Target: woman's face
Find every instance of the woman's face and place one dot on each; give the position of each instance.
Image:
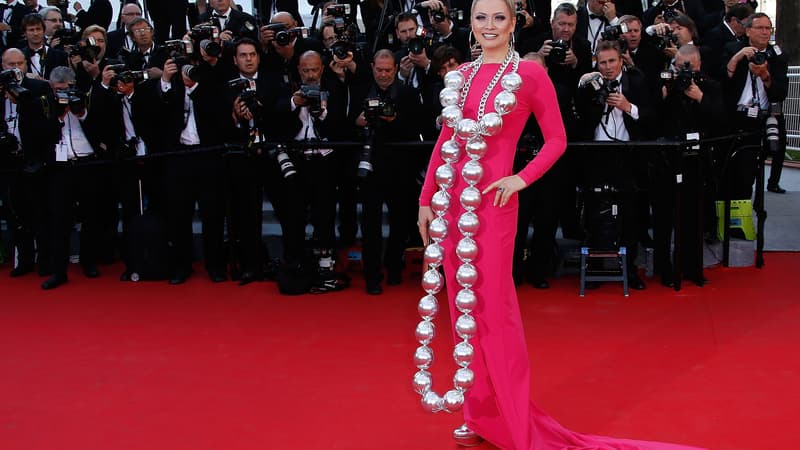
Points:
(492, 24)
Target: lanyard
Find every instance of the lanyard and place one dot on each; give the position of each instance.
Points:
(595, 33)
(755, 101)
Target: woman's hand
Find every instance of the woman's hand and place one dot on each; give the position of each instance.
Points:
(424, 218)
(505, 188)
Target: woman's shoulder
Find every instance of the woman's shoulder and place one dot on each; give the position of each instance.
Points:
(531, 69)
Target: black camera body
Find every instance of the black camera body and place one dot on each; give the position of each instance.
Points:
(246, 93)
(375, 107)
(11, 82)
(87, 49)
(613, 32)
(420, 42)
(315, 96)
(130, 76)
(760, 58)
(70, 98)
(203, 31)
(681, 80)
(181, 51)
(663, 41)
(284, 36)
(600, 88)
(558, 54)
(67, 35)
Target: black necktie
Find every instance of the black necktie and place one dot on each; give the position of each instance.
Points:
(596, 16)
(40, 52)
(218, 16)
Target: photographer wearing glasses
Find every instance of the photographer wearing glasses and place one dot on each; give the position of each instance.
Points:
(756, 84)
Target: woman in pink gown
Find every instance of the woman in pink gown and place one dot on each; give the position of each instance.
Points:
(498, 407)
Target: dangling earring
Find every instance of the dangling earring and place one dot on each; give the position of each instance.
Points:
(471, 38)
(512, 42)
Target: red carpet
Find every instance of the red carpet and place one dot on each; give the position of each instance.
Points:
(98, 364)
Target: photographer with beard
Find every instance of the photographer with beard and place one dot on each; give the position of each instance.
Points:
(389, 113)
(692, 108)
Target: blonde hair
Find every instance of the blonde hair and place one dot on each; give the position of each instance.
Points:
(510, 4)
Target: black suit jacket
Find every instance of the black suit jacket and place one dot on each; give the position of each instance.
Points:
(716, 39)
(635, 89)
(680, 114)
(115, 40)
(235, 23)
(582, 27)
(147, 113)
(99, 13)
(265, 7)
(561, 73)
(692, 8)
(273, 95)
(53, 58)
(651, 61)
(778, 70)
(15, 22)
(38, 134)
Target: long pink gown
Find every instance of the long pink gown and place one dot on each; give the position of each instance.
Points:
(498, 407)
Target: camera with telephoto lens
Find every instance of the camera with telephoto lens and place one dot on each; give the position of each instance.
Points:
(70, 98)
(600, 88)
(420, 41)
(246, 93)
(203, 31)
(211, 47)
(680, 80)
(285, 163)
(191, 72)
(11, 82)
(314, 97)
(772, 132)
(130, 76)
(558, 52)
(284, 36)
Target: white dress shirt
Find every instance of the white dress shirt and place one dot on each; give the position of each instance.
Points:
(74, 143)
(612, 124)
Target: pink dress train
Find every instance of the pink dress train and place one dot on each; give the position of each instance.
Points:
(498, 406)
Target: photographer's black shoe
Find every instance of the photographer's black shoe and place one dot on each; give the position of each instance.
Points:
(54, 282)
(634, 282)
(776, 188)
(179, 278)
(91, 271)
(394, 278)
(21, 270)
(217, 276)
(374, 287)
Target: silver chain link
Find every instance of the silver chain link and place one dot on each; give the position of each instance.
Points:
(512, 56)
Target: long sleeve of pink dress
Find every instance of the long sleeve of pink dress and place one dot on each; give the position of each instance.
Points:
(498, 407)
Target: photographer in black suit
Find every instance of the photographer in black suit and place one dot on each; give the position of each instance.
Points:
(641, 53)
(282, 55)
(730, 29)
(232, 23)
(11, 14)
(389, 114)
(24, 119)
(121, 38)
(71, 179)
(169, 18)
(146, 55)
(616, 105)
(41, 58)
(99, 13)
(199, 117)
(755, 86)
(692, 108)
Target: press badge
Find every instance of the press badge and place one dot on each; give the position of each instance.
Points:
(777, 50)
(752, 112)
(693, 137)
(61, 152)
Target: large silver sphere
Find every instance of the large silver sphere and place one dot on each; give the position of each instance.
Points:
(432, 402)
(450, 151)
(463, 354)
(437, 229)
(453, 400)
(464, 378)
(433, 256)
(467, 275)
(476, 147)
(511, 81)
(505, 102)
(467, 128)
(449, 97)
(454, 79)
(432, 281)
(423, 357)
(445, 175)
(468, 223)
(451, 115)
(466, 300)
(472, 172)
(440, 202)
(423, 381)
(491, 124)
(428, 307)
(425, 332)
(467, 249)
(466, 327)
(470, 198)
